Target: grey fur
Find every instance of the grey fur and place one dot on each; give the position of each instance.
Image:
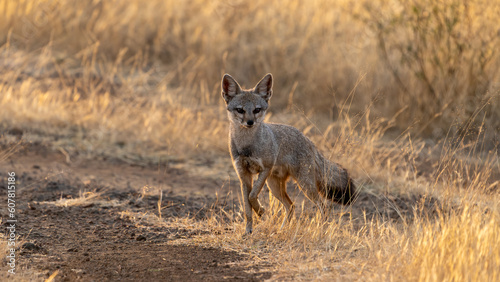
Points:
(276, 152)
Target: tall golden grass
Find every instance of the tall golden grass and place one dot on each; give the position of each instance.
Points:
(402, 93)
(435, 59)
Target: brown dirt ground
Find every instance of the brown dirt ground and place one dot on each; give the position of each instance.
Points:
(94, 241)
(102, 241)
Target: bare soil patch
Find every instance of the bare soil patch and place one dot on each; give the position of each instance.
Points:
(98, 240)
(94, 243)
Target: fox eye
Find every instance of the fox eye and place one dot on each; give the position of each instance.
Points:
(257, 110)
(240, 110)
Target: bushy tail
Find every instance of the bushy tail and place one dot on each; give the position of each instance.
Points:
(336, 184)
(342, 194)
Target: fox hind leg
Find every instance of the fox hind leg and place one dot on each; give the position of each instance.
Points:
(309, 186)
(278, 189)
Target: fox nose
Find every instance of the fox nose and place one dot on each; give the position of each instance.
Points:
(250, 122)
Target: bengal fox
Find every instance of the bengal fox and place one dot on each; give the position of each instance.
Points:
(276, 152)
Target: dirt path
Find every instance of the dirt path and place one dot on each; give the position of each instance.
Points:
(94, 243)
(99, 240)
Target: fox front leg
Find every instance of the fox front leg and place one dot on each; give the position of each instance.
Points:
(246, 187)
(257, 187)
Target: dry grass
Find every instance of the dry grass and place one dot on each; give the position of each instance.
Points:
(457, 247)
(84, 198)
(454, 239)
(139, 81)
(161, 64)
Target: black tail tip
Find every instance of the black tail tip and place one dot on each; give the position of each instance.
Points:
(345, 195)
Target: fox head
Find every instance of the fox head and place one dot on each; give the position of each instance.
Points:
(247, 108)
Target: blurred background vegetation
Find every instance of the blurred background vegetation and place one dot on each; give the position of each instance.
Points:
(134, 72)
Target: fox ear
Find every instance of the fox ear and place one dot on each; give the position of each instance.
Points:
(265, 87)
(230, 88)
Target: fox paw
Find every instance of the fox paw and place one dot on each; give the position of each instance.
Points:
(247, 233)
(260, 212)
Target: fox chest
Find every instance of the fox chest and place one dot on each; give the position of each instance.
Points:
(251, 164)
(255, 165)
(245, 161)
